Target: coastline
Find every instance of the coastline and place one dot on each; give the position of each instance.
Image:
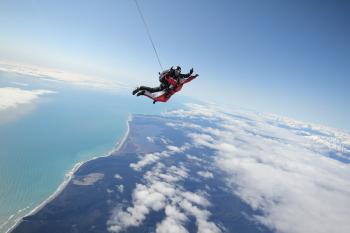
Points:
(69, 175)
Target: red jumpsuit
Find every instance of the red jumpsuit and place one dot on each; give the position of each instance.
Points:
(175, 86)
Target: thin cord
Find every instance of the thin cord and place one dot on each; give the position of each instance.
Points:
(148, 33)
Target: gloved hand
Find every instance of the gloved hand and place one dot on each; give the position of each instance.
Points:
(191, 70)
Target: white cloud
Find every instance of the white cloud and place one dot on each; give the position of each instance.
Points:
(174, 148)
(120, 188)
(182, 124)
(195, 158)
(164, 141)
(161, 192)
(196, 111)
(13, 97)
(118, 177)
(174, 221)
(146, 160)
(150, 139)
(151, 158)
(277, 166)
(109, 191)
(144, 200)
(195, 198)
(178, 149)
(204, 226)
(205, 174)
(49, 74)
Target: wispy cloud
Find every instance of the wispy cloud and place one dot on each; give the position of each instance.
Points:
(13, 97)
(118, 177)
(278, 166)
(49, 74)
(205, 174)
(120, 188)
(151, 158)
(20, 84)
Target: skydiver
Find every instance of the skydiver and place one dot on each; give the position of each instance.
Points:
(173, 72)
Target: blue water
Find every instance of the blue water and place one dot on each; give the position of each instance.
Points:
(40, 145)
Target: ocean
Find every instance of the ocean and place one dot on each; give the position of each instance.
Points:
(43, 141)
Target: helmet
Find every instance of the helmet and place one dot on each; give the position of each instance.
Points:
(177, 68)
(177, 71)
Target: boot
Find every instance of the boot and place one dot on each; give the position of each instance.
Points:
(136, 90)
(140, 93)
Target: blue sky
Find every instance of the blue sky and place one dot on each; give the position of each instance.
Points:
(287, 57)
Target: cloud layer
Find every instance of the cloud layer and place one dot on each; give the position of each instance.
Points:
(296, 174)
(162, 190)
(290, 176)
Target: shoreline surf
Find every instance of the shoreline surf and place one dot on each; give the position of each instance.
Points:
(69, 175)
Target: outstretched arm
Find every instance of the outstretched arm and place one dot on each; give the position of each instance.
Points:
(190, 78)
(187, 75)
